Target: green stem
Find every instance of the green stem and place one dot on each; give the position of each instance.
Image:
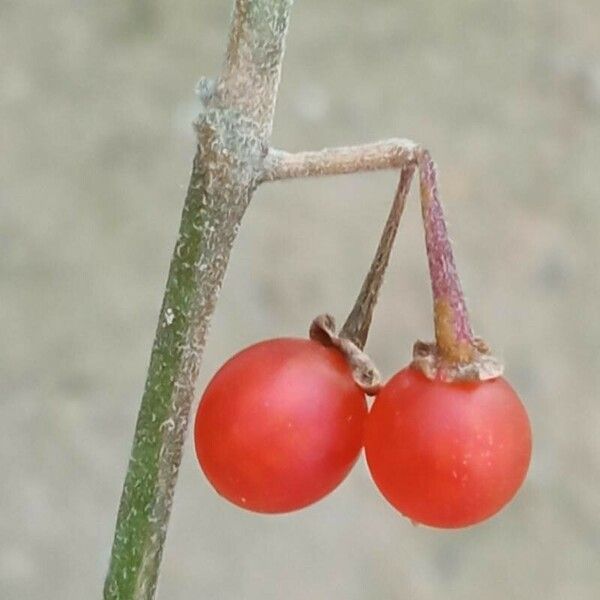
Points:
(233, 133)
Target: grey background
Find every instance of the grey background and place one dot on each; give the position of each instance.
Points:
(96, 100)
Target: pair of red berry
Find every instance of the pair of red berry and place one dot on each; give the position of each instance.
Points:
(283, 422)
(447, 440)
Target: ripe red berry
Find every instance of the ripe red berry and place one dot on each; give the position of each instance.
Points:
(280, 425)
(447, 454)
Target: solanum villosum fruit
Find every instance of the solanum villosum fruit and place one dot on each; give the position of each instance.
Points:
(280, 425)
(448, 441)
(447, 454)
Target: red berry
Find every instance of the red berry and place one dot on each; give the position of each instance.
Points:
(280, 425)
(447, 454)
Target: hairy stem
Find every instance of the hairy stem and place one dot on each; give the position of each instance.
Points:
(250, 76)
(356, 327)
(456, 354)
(232, 135)
(388, 154)
(453, 333)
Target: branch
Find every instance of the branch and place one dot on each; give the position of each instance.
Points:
(231, 160)
(232, 134)
(389, 154)
(252, 69)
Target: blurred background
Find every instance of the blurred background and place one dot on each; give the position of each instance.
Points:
(96, 101)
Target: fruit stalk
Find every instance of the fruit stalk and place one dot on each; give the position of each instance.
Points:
(456, 354)
(356, 327)
(453, 333)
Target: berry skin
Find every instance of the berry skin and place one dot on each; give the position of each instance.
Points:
(280, 425)
(445, 454)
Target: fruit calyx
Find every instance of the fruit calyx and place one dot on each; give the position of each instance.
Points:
(480, 365)
(364, 372)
